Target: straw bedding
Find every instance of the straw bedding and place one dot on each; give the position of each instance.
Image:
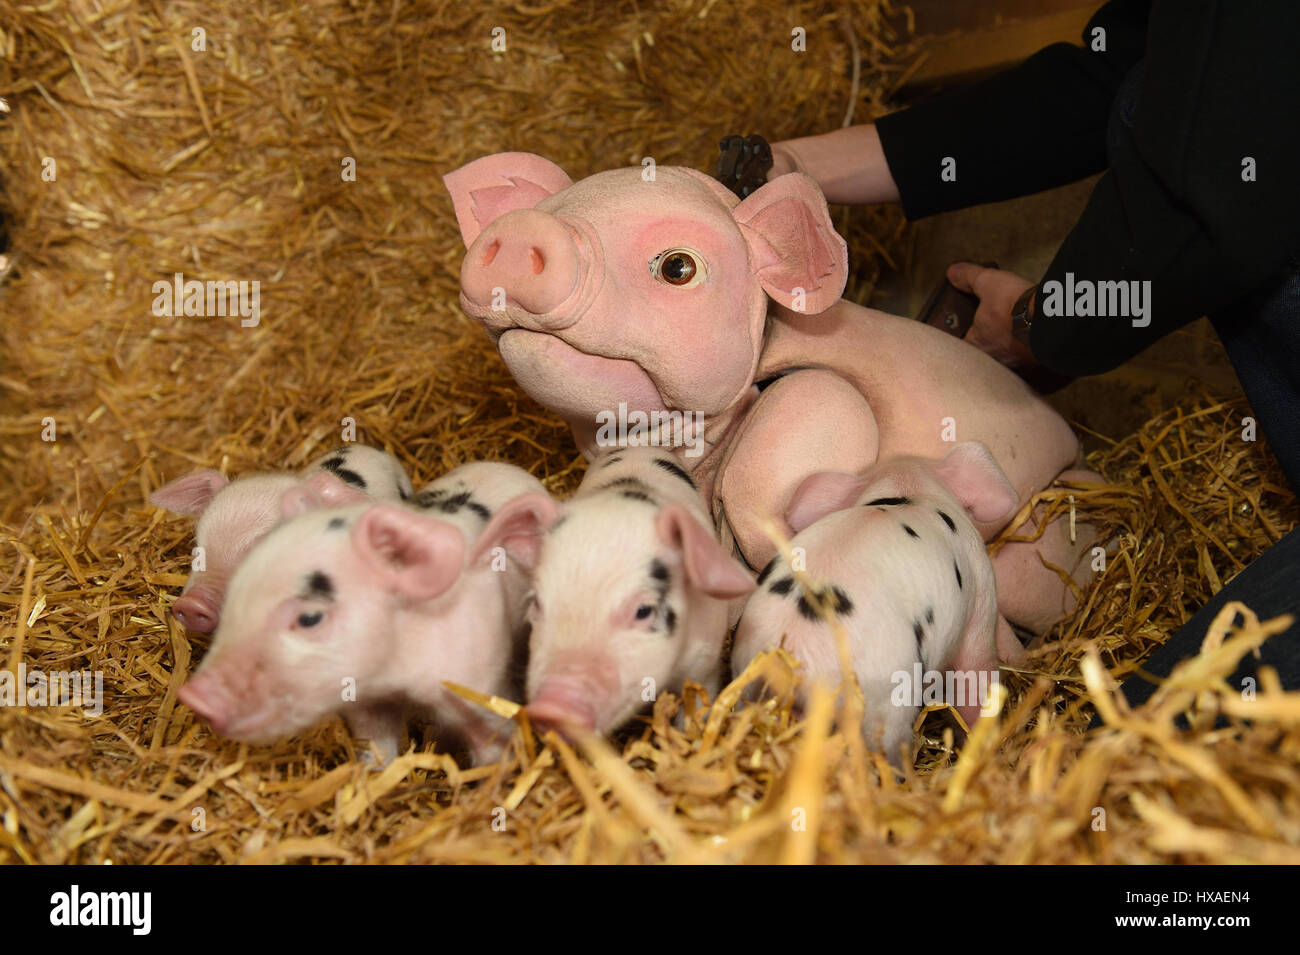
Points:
(225, 164)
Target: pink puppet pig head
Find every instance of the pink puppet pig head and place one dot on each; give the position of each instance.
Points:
(644, 285)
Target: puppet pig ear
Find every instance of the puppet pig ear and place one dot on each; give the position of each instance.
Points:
(488, 188)
(798, 257)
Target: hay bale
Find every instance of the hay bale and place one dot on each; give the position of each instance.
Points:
(225, 163)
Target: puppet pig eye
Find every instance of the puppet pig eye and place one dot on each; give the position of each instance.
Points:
(310, 619)
(678, 267)
(645, 612)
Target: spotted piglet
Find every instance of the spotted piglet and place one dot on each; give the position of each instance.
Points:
(234, 515)
(631, 592)
(895, 554)
(375, 473)
(365, 610)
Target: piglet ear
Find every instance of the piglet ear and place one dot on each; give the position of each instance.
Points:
(708, 567)
(977, 482)
(820, 494)
(190, 494)
(519, 526)
(488, 188)
(792, 244)
(415, 555)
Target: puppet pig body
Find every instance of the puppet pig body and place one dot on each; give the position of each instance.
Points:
(659, 289)
(631, 593)
(233, 516)
(365, 610)
(895, 554)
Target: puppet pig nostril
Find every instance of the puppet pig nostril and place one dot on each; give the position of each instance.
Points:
(537, 261)
(490, 252)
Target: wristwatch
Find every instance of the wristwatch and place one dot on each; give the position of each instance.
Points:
(1022, 316)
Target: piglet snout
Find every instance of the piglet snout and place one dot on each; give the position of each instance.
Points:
(530, 256)
(207, 697)
(198, 609)
(564, 706)
(563, 711)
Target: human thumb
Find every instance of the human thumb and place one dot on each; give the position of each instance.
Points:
(962, 275)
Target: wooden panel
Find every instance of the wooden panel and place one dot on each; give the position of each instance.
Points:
(959, 59)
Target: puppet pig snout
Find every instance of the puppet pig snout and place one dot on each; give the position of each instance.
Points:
(527, 260)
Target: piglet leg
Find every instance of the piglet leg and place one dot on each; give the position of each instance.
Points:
(383, 724)
(1010, 649)
(1031, 594)
(786, 416)
(976, 664)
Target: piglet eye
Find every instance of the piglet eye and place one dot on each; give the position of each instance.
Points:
(676, 267)
(644, 612)
(310, 619)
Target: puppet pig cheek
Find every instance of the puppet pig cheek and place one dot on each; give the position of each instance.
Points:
(526, 261)
(699, 344)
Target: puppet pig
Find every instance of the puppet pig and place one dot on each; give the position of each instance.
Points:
(659, 289)
(631, 593)
(895, 554)
(364, 611)
(233, 516)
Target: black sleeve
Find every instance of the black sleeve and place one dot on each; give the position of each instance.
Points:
(1039, 125)
(1200, 198)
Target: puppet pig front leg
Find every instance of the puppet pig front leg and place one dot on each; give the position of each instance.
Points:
(809, 420)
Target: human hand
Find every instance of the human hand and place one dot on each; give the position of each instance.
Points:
(783, 161)
(997, 291)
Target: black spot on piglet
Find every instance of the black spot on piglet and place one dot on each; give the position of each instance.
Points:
(675, 469)
(625, 482)
(435, 500)
(833, 598)
(910, 532)
(888, 501)
(781, 587)
(337, 465)
(320, 586)
(957, 570)
(767, 571)
(948, 520)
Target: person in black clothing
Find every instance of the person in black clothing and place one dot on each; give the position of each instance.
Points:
(1190, 107)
